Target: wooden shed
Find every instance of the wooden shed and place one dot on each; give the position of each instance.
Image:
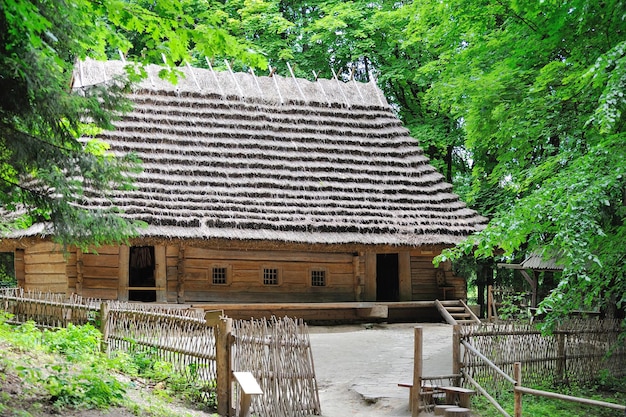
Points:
(262, 190)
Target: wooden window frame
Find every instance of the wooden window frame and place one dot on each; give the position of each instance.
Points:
(279, 276)
(312, 281)
(228, 271)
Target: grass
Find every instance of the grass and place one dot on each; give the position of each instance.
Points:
(606, 389)
(44, 372)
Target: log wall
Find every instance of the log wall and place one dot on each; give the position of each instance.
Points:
(424, 280)
(45, 268)
(245, 276)
(185, 274)
(100, 273)
(18, 262)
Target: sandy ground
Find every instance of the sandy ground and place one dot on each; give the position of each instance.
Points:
(358, 368)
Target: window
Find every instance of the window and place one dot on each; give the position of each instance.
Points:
(270, 276)
(219, 275)
(318, 278)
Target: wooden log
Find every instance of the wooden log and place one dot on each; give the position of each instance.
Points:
(123, 272)
(457, 412)
(370, 277)
(456, 351)
(180, 277)
(415, 396)
(564, 397)
(517, 401)
(440, 409)
(404, 276)
(223, 332)
(458, 395)
(104, 327)
(160, 273)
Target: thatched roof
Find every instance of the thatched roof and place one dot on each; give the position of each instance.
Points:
(234, 156)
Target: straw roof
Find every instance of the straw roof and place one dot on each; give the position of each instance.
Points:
(235, 156)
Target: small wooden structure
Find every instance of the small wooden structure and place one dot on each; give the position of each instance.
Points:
(534, 264)
(261, 189)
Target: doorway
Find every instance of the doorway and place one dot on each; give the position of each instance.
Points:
(141, 274)
(387, 277)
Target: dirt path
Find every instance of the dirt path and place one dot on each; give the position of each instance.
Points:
(358, 367)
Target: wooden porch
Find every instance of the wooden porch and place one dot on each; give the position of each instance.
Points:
(375, 311)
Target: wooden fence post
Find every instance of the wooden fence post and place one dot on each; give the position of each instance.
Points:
(490, 304)
(561, 361)
(223, 332)
(415, 397)
(456, 351)
(104, 327)
(517, 375)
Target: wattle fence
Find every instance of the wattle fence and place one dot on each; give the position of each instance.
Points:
(205, 349)
(577, 351)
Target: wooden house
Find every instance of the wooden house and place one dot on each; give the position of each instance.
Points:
(262, 190)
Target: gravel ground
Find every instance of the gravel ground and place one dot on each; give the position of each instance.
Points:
(358, 368)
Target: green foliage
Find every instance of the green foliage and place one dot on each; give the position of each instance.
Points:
(7, 270)
(90, 388)
(512, 307)
(545, 407)
(143, 362)
(537, 87)
(83, 382)
(46, 167)
(73, 342)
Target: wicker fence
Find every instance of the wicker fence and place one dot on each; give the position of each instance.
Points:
(179, 337)
(47, 310)
(577, 351)
(276, 352)
(282, 346)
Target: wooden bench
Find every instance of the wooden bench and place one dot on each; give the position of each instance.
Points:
(249, 387)
(458, 395)
(428, 393)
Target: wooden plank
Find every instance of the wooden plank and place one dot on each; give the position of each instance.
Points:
(50, 268)
(122, 273)
(370, 277)
(171, 251)
(19, 265)
(45, 247)
(248, 383)
(378, 311)
(59, 288)
(103, 294)
(101, 261)
(160, 271)
(99, 283)
(404, 276)
(202, 253)
(79, 272)
(105, 273)
(45, 279)
(43, 258)
(105, 250)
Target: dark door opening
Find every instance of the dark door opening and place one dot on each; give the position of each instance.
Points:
(387, 278)
(141, 274)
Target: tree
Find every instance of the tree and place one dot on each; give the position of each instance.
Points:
(538, 89)
(47, 167)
